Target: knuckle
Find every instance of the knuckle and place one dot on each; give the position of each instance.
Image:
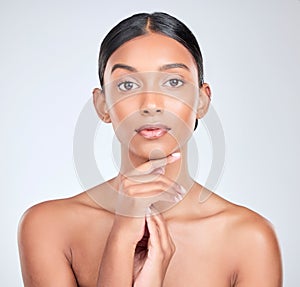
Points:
(160, 185)
(173, 248)
(130, 191)
(167, 254)
(163, 185)
(127, 190)
(125, 182)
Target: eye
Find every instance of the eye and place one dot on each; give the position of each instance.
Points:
(174, 83)
(127, 86)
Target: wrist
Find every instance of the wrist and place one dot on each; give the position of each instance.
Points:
(148, 283)
(123, 238)
(127, 230)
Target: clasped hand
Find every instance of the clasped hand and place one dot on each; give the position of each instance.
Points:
(143, 193)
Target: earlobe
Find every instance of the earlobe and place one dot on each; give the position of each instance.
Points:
(204, 100)
(100, 105)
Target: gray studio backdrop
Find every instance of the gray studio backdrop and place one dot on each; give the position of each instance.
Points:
(49, 68)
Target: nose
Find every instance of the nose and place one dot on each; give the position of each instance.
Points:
(151, 105)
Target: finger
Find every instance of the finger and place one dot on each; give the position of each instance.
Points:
(154, 240)
(160, 179)
(165, 238)
(155, 191)
(152, 165)
(134, 199)
(163, 190)
(145, 190)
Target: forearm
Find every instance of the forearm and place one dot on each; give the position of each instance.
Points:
(117, 263)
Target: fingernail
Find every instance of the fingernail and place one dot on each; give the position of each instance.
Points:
(178, 197)
(181, 189)
(176, 154)
(159, 170)
(148, 211)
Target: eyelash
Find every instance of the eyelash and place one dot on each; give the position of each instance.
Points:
(167, 83)
(176, 79)
(127, 82)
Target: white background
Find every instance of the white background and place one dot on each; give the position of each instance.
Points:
(48, 69)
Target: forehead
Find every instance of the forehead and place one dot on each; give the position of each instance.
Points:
(149, 52)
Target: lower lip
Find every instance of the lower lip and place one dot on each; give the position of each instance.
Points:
(152, 133)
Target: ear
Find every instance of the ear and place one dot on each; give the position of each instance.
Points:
(204, 100)
(100, 105)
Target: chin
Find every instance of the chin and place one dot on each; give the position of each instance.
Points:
(153, 149)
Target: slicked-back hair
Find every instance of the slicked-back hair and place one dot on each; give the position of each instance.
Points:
(142, 24)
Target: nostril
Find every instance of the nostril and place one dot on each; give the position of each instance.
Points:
(151, 111)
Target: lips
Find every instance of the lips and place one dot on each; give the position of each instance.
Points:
(152, 131)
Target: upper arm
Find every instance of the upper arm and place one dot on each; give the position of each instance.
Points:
(260, 259)
(41, 247)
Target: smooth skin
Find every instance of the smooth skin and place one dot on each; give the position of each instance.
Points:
(76, 242)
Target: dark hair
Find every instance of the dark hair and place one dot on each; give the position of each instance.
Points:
(141, 24)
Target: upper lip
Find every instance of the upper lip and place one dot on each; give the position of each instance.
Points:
(152, 126)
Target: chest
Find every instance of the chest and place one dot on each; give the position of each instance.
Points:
(200, 259)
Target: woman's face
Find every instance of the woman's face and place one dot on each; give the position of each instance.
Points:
(152, 95)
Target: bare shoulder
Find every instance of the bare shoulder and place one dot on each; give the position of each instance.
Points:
(50, 232)
(52, 210)
(43, 239)
(252, 244)
(55, 219)
(249, 226)
(243, 223)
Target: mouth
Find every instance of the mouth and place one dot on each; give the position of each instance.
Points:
(152, 131)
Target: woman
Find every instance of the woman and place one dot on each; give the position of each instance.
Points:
(146, 226)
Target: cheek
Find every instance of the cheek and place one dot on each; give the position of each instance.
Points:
(178, 114)
(183, 116)
(185, 111)
(124, 115)
(121, 110)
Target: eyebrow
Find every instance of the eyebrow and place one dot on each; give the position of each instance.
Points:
(173, 66)
(122, 66)
(162, 68)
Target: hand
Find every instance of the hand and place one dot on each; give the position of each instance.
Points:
(147, 186)
(141, 188)
(153, 254)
